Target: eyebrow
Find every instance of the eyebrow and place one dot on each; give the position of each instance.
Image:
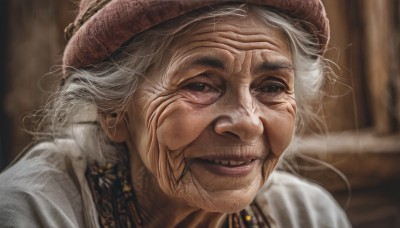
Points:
(272, 66)
(210, 62)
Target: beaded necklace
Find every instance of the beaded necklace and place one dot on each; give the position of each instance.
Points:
(118, 207)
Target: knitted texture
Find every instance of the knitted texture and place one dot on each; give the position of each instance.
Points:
(98, 32)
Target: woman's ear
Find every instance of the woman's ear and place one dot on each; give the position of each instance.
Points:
(115, 127)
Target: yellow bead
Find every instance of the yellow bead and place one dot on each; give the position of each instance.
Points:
(126, 188)
(247, 218)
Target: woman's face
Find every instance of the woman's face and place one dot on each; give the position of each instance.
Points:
(212, 124)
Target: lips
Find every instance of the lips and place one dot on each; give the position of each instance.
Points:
(229, 163)
(227, 166)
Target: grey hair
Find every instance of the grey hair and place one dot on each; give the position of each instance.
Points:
(107, 87)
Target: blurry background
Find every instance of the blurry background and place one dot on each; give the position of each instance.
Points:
(362, 111)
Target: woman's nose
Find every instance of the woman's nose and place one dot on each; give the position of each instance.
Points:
(241, 123)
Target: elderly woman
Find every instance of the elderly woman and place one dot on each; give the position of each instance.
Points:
(175, 114)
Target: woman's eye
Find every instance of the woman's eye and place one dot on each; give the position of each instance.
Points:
(198, 87)
(201, 93)
(272, 88)
(271, 91)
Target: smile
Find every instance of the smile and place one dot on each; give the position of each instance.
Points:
(229, 163)
(227, 167)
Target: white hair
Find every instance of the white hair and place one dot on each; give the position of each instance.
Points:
(107, 87)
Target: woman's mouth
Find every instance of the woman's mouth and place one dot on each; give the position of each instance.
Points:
(229, 163)
(233, 167)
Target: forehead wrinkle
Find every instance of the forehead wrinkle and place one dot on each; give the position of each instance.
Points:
(240, 33)
(234, 43)
(270, 42)
(237, 28)
(231, 41)
(248, 38)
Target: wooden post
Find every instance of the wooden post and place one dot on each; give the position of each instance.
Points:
(394, 64)
(344, 108)
(376, 17)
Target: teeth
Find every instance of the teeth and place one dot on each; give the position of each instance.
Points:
(225, 162)
(229, 162)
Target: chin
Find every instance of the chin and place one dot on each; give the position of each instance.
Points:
(234, 204)
(222, 201)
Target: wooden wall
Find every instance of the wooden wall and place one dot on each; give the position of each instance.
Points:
(365, 46)
(363, 118)
(33, 31)
(4, 126)
(345, 105)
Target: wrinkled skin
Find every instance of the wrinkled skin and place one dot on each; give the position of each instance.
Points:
(226, 93)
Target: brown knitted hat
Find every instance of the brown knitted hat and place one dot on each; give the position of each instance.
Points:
(102, 26)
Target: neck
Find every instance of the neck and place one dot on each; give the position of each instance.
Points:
(159, 210)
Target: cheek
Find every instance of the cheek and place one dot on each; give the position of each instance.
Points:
(172, 129)
(180, 124)
(279, 125)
